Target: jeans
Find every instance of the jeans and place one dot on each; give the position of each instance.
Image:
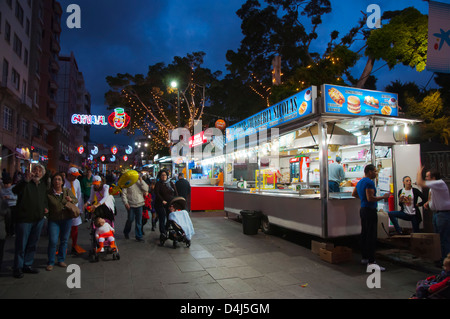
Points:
(135, 213)
(393, 216)
(161, 211)
(441, 224)
(58, 230)
(333, 187)
(369, 225)
(27, 238)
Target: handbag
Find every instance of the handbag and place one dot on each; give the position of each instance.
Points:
(73, 209)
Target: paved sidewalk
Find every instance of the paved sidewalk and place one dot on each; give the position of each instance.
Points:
(221, 263)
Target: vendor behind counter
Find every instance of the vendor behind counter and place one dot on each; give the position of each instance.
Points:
(335, 175)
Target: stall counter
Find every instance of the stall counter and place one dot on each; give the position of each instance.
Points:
(206, 197)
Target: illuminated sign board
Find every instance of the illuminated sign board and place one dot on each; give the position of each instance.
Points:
(85, 119)
(295, 107)
(353, 101)
(197, 139)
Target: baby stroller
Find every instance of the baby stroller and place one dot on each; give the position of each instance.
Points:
(94, 254)
(174, 231)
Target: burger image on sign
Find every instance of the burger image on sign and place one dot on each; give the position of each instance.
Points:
(354, 104)
(119, 119)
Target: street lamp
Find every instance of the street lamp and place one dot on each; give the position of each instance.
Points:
(174, 85)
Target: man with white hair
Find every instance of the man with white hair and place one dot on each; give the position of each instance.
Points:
(32, 205)
(74, 185)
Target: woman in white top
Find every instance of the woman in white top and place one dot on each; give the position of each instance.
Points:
(408, 197)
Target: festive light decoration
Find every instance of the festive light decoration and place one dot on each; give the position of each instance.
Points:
(80, 149)
(125, 158)
(94, 151)
(129, 150)
(114, 150)
(85, 119)
(103, 158)
(119, 119)
(220, 124)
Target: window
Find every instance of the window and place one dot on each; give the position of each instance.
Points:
(24, 90)
(7, 32)
(7, 119)
(27, 27)
(17, 45)
(19, 12)
(25, 57)
(15, 78)
(5, 72)
(25, 128)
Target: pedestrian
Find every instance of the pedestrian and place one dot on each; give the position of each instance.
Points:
(184, 190)
(3, 212)
(73, 184)
(134, 200)
(86, 184)
(59, 221)
(11, 201)
(151, 193)
(32, 205)
(439, 203)
(365, 190)
(165, 191)
(408, 197)
(336, 175)
(101, 202)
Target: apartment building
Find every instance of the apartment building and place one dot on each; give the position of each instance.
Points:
(16, 107)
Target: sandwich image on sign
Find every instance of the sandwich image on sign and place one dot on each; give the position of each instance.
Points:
(386, 110)
(354, 104)
(302, 108)
(336, 96)
(371, 101)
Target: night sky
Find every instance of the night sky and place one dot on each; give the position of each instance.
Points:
(119, 36)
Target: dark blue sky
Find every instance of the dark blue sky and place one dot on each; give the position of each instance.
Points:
(126, 36)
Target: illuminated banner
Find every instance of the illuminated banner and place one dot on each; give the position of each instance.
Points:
(85, 119)
(438, 54)
(197, 139)
(295, 107)
(353, 101)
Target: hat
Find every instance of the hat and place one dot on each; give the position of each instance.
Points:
(73, 171)
(97, 180)
(180, 200)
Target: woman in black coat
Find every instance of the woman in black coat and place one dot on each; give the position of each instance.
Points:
(408, 197)
(165, 190)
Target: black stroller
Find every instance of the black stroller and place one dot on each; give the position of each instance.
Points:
(174, 231)
(103, 212)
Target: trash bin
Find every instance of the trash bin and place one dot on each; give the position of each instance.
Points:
(251, 220)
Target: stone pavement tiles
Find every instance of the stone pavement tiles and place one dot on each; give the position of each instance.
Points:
(222, 263)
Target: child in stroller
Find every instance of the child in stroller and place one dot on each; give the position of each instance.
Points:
(102, 233)
(437, 286)
(179, 226)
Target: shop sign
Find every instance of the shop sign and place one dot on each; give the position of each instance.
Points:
(197, 139)
(353, 101)
(295, 107)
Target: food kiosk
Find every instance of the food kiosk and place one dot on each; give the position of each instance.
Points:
(298, 138)
(204, 173)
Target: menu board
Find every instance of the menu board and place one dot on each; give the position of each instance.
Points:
(294, 107)
(353, 101)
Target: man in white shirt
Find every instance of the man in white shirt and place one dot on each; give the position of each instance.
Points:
(439, 202)
(73, 184)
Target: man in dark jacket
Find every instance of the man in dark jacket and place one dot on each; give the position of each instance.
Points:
(31, 206)
(184, 189)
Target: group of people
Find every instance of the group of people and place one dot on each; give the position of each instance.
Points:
(39, 196)
(438, 201)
